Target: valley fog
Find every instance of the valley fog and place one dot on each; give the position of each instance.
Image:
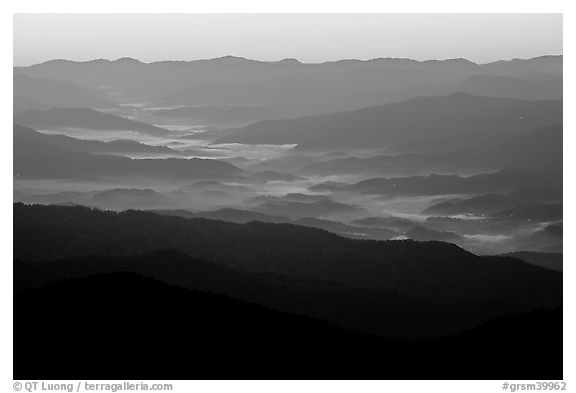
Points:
(286, 181)
(392, 210)
(454, 151)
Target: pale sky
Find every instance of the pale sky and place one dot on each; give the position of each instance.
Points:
(307, 37)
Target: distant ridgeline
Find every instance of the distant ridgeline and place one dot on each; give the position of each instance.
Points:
(257, 181)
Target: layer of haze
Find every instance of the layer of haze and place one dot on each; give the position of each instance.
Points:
(307, 37)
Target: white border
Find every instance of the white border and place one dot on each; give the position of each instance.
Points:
(318, 6)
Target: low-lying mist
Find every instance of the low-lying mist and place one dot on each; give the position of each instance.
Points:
(358, 159)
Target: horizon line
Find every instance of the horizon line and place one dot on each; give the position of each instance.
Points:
(285, 60)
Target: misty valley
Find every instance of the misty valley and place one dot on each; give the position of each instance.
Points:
(337, 212)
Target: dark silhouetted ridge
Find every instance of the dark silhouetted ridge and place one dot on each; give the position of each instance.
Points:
(167, 332)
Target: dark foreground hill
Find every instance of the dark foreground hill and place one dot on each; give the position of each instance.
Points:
(432, 271)
(126, 326)
(377, 311)
(204, 299)
(549, 260)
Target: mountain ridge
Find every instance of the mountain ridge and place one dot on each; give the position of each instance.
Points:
(395, 124)
(225, 57)
(405, 266)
